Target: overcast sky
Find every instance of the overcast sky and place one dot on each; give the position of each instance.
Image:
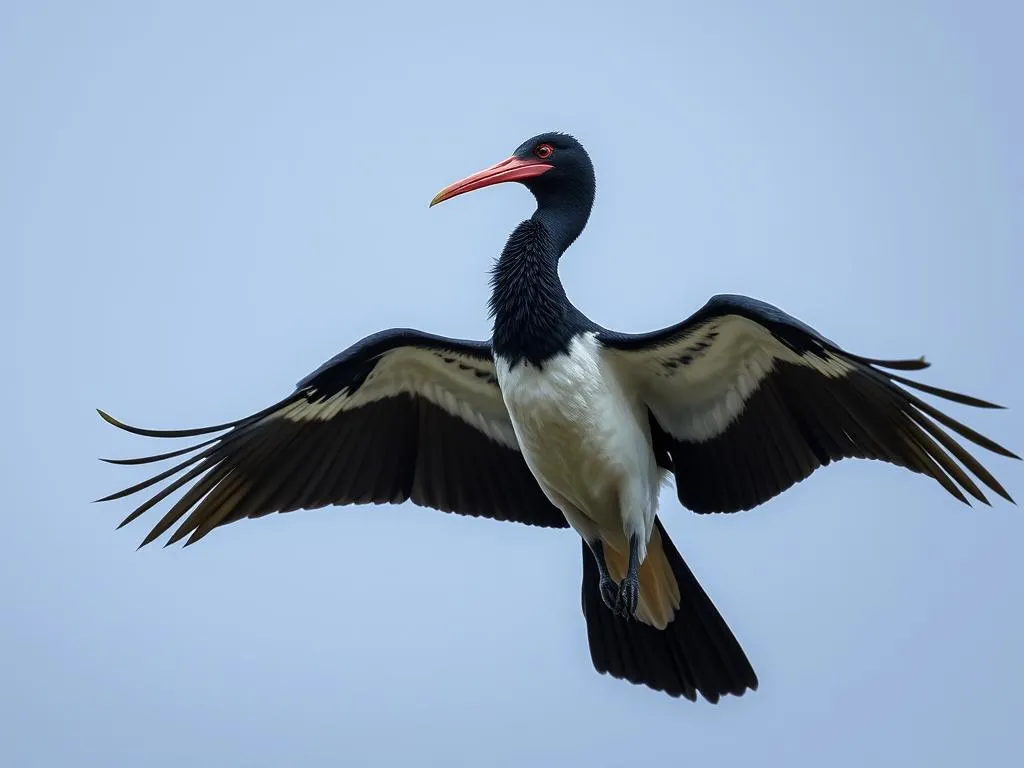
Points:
(201, 202)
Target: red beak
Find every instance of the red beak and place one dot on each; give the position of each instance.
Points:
(512, 169)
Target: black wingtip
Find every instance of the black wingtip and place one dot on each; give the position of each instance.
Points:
(162, 456)
(164, 432)
(913, 364)
(956, 397)
(120, 462)
(150, 538)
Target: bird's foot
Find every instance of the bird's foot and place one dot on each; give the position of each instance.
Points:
(628, 597)
(609, 592)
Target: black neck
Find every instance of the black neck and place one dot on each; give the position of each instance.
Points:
(564, 212)
(528, 303)
(533, 319)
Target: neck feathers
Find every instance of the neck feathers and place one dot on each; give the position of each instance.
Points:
(528, 304)
(533, 319)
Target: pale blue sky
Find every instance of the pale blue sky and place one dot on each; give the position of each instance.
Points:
(201, 202)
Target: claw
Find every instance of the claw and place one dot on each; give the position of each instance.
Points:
(621, 599)
(628, 597)
(609, 593)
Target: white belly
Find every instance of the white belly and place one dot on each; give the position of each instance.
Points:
(586, 442)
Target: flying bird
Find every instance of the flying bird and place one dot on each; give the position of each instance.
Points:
(558, 422)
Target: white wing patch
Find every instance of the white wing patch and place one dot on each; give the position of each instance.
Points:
(698, 384)
(462, 386)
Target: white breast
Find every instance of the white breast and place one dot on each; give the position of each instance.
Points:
(586, 441)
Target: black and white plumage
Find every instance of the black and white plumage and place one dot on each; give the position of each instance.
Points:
(560, 422)
(400, 416)
(748, 401)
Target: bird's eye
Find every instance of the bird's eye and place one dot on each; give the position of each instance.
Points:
(543, 151)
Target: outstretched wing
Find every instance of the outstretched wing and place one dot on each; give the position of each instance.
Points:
(748, 401)
(401, 415)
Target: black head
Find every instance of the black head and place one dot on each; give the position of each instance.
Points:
(551, 165)
(556, 169)
(571, 175)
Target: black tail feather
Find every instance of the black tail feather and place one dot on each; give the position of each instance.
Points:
(695, 653)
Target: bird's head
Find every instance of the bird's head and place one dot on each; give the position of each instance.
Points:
(554, 166)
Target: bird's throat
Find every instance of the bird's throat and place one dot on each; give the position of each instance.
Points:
(528, 303)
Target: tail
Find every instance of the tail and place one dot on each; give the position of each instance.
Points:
(695, 652)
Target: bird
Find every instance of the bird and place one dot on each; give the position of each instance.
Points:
(558, 422)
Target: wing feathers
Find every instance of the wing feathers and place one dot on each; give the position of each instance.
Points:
(181, 432)
(185, 503)
(961, 429)
(916, 364)
(943, 393)
(380, 423)
(764, 400)
(961, 454)
(157, 478)
(161, 456)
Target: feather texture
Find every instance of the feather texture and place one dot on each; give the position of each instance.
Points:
(399, 416)
(748, 401)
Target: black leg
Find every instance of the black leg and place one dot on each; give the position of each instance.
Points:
(628, 597)
(609, 589)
